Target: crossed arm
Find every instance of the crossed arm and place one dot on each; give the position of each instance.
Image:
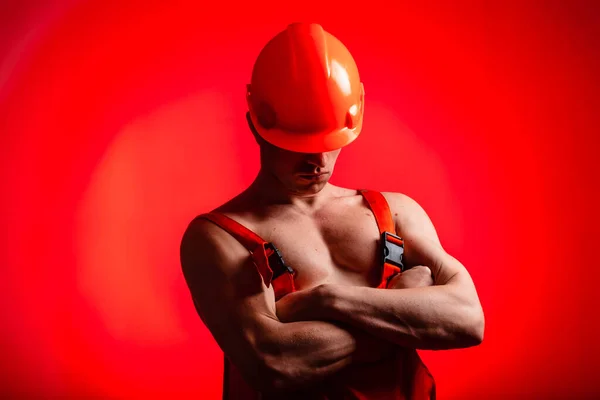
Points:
(445, 315)
(310, 335)
(240, 313)
(441, 316)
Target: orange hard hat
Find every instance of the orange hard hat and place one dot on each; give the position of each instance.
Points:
(305, 94)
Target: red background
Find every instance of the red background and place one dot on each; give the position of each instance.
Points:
(120, 122)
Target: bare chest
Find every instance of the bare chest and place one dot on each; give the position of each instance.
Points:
(337, 245)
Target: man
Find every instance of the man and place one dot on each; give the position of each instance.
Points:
(314, 291)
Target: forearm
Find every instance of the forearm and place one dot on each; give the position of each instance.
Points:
(434, 317)
(301, 354)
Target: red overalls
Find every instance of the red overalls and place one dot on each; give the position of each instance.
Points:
(402, 376)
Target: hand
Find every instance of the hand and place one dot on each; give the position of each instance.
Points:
(302, 305)
(311, 304)
(418, 276)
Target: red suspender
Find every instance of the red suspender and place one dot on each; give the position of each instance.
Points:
(263, 254)
(250, 240)
(381, 209)
(387, 230)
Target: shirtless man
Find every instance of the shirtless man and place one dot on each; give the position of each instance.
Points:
(326, 320)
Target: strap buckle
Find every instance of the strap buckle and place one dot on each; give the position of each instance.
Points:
(276, 262)
(392, 250)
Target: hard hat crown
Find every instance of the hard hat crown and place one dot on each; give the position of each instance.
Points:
(305, 93)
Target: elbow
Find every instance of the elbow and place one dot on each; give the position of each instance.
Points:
(269, 369)
(465, 331)
(275, 383)
(480, 330)
(274, 375)
(478, 325)
(474, 331)
(262, 373)
(275, 386)
(268, 382)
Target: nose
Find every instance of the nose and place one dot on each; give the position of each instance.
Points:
(318, 160)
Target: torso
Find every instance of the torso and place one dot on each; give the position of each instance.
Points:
(337, 244)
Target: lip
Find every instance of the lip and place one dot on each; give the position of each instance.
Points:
(313, 177)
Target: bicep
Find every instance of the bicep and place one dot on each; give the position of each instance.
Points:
(422, 244)
(423, 247)
(229, 294)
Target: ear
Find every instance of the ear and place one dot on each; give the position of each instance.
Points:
(253, 129)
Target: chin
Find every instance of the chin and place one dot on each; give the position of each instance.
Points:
(310, 188)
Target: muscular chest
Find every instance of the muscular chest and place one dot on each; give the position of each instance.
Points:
(337, 245)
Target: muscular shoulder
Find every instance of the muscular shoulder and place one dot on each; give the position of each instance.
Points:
(410, 217)
(207, 246)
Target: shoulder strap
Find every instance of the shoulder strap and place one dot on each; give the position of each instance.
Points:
(250, 240)
(392, 246)
(245, 236)
(381, 209)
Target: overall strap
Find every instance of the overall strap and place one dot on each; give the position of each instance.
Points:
(392, 246)
(381, 209)
(233, 384)
(250, 240)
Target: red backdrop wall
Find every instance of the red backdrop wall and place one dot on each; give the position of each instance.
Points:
(120, 122)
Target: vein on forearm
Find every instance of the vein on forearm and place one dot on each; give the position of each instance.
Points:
(434, 317)
(307, 352)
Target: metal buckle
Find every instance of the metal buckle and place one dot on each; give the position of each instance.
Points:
(392, 252)
(278, 266)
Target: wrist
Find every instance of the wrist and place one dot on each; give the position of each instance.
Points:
(330, 296)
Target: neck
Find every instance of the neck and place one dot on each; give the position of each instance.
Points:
(267, 189)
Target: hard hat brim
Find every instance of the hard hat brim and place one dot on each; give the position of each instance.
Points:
(317, 142)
